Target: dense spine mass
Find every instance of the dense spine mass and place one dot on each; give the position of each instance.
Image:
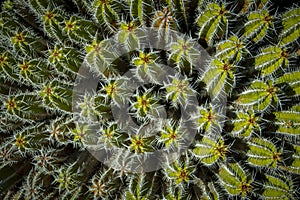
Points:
(249, 151)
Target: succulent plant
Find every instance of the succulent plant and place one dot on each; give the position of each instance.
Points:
(222, 120)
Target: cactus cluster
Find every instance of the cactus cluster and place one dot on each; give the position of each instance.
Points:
(242, 101)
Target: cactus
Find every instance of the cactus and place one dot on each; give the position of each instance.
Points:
(245, 124)
(270, 60)
(232, 49)
(213, 22)
(209, 150)
(236, 181)
(290, 22)
(209, 87)
(263, 153)
(260, 95)
(258, 25)
(276, 187)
